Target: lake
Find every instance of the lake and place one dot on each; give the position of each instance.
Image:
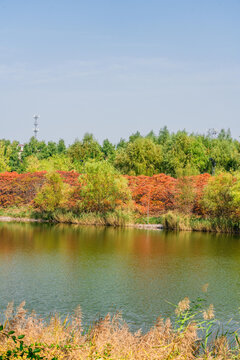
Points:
(58, 267)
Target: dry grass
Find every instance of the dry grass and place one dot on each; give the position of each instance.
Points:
(17, 212)
(116, 218)
(109, 338)
(177, 221)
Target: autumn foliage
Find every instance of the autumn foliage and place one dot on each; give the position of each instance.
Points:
(155, 194)
(19, 189)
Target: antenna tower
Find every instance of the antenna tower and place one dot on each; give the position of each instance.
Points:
(36, 129)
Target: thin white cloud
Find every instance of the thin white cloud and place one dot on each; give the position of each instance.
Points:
(121, 68)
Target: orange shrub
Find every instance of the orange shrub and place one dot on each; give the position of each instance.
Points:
(154, 192)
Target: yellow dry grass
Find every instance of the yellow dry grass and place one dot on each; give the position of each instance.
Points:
(109, 338)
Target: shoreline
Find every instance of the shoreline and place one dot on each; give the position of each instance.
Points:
(21, 219)
(171, 222)
(29, 220)
(147, 226)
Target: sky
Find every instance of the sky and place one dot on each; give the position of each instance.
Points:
(114, 67)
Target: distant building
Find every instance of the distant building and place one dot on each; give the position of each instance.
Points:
(21, 147)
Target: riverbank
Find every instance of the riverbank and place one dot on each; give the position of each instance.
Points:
(28, 220)
(181, 222)
(172, 221)
(21, 219)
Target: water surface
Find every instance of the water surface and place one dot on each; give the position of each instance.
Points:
(57, 267)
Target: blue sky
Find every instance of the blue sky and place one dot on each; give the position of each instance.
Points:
(112, 67)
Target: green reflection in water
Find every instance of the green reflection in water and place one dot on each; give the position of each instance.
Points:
(57, 267)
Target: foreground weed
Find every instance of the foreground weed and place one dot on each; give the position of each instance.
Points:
(196, 313)
(20, 350)
(191, 335)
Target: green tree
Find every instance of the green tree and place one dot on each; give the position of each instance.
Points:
(4, 157)
(32, 164)
(53, 195)
(82, 151)
(122, 144)
(163, 135)
(35, 147)
(61, 147)
(226, 154)
(103, 188)
(218, 196)
(15, 162)
(53, 163)
(52, 148)
(109, 151)
(151, 135)
(135, 136)
(181, 151)
(139, 157)
(58, 162)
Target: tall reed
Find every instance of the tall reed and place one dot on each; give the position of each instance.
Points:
(110, 338)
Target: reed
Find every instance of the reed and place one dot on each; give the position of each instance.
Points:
(172, 220)
(113, 218)
(25, 335)
(177, 221)
(17, 212)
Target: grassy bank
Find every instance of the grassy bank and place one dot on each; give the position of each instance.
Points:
(113, 218)
(176, 221)
(191, 334)
(171, 221)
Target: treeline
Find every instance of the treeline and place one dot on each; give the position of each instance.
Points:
(175, 154)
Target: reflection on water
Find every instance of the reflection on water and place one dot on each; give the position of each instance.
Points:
(57, 267)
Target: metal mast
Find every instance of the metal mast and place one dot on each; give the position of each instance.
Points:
(36, 129)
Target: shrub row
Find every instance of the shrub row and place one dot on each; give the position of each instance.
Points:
(156, 194)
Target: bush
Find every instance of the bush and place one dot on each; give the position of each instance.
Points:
(103, 188)
(218, 197)
(185, 195)
(19, 189)
(53, 195)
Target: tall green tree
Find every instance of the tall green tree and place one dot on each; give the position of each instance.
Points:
(84, 150)
(140, 157)
(4, 157)
(181, 151)
(61, 147)
(15, 161)
(109, 151)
